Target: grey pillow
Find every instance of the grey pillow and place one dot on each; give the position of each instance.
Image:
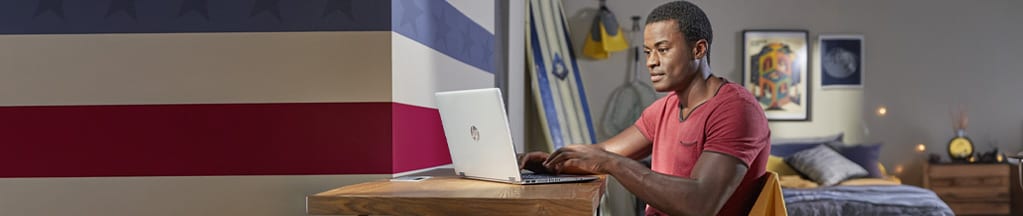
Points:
(824, 165)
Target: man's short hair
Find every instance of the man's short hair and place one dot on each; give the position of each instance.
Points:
(692, 22)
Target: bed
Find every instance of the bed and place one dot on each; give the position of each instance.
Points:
(864, 200)
(823, 176)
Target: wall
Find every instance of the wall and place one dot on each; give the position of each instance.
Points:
(436, 46)
(516, 72)
(230, 107)
(923, 58)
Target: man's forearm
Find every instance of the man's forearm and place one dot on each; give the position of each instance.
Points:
(670, 194)
(629, 143)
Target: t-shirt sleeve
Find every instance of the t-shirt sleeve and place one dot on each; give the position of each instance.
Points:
(647, 121)
(738, 128)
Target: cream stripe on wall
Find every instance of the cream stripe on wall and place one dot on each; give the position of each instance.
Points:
(171, 196)
(189, 68)
(419, 71)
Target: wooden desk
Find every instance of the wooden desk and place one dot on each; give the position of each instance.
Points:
(451, 195)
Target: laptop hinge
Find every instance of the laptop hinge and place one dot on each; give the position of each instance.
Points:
(462, 174)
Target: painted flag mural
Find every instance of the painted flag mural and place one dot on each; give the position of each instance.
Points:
(194, 97)
(248, 81)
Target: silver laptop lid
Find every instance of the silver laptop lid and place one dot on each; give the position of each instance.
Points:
(479, 139)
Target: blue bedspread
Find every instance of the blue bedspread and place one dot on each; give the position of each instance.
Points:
(864, 200)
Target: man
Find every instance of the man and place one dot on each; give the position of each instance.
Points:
(708, 138)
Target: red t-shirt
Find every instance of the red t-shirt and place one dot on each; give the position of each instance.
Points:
(731, 122)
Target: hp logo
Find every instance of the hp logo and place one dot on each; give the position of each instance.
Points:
(475, 133)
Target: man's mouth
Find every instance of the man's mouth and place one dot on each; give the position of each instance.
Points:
(654, 77)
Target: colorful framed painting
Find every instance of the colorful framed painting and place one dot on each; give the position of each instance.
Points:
(775, 65)
(841, 61)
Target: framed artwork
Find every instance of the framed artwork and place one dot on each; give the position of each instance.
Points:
(775, 65)
(841, 61)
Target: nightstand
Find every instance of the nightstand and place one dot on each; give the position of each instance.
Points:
(971, 189)
(1016, 190)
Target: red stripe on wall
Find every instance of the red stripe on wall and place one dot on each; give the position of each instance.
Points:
(418, 138)
(209, 139)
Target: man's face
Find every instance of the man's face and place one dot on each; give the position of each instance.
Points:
(669, 56)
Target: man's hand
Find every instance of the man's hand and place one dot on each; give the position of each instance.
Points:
(581, 157)
(533, 161)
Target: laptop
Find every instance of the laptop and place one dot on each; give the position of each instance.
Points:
(479, 139)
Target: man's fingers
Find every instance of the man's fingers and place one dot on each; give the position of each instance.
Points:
(533, 161)
(522, 160)
(555, 153)
(558, 153)
(560, 158)
(557, 166)
(570, 162)
(526, 158)
(551, 158)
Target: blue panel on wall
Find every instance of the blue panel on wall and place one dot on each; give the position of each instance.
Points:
(439, 25)
(164, 16)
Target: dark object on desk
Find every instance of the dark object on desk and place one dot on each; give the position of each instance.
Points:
(410, 178)
(934, 158)
(993, 156)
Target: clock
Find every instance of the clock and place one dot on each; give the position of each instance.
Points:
(960, 148)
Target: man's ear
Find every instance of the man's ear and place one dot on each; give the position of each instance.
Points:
(700, 49)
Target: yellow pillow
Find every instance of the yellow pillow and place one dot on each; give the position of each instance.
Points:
(869, 181)
(778, 165)
(795, 181)
(884, 174)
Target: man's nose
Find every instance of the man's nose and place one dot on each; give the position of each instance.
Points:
(652, 60)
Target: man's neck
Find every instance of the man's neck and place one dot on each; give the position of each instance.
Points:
(700, 89)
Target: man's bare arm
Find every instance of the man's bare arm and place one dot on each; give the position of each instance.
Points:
(714, 178)
(629, 143)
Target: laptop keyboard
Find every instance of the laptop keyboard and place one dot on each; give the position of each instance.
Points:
(533, 178)
(538, 176)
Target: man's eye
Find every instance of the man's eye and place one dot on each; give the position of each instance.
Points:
(646, 52)
(662, 50)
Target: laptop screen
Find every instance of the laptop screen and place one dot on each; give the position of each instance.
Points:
(479, 139)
